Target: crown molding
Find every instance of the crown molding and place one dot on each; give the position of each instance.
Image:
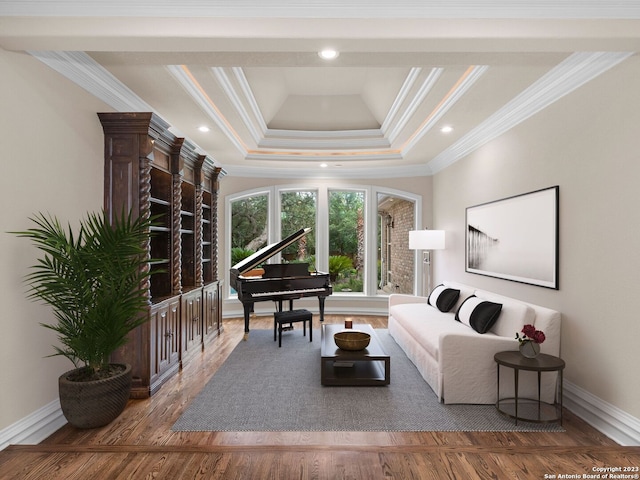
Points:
(250, 98)
(468, 79)
(576, 70)
(305, 140)
(437, 9)
(401, 97)
(373, 133)
(330, 172)
(85, 72)
(248, 120)
(415, 102)
(206, 104)
(264, 137)
(296, 141)
(82, 70)
(334, 156)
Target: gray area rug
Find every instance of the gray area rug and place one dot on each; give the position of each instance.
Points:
(265, 388)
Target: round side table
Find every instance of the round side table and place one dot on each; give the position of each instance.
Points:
(539, 364)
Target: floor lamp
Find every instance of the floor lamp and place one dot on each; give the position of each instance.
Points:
(426, 240)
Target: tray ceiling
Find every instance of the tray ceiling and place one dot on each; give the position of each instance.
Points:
(275, 108)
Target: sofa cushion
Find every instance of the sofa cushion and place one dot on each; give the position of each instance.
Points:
(478, 314)
(514, 314)
(443, 298)
(426, 325)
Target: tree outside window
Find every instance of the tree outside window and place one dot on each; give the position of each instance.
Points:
(346, 240)
(249, 226)
(298, 210)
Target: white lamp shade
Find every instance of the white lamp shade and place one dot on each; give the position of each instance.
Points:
(426, 239)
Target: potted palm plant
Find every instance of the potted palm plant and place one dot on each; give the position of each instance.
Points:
(95, 280)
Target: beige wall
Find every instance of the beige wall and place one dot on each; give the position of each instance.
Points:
(52, 160)
(589, 144)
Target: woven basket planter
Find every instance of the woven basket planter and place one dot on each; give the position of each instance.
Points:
(96, 403)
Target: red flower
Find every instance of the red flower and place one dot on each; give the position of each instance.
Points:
(538, 337)
(531, 335)
(529, 330)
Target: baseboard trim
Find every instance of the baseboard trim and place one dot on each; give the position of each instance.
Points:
(604, 417)
(35, 427)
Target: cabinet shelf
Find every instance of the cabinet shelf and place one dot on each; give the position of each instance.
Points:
(160, 261)
(159, 201)
(159, 299)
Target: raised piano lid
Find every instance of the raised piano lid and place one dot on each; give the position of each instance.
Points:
(262, 255)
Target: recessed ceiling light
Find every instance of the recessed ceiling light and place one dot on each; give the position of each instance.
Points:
(447, 129)
(323, 165)
(203, 128)
(328, 54)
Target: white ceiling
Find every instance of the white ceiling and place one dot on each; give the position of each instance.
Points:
(250, 71)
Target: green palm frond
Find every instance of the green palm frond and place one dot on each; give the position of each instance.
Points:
(94, 280)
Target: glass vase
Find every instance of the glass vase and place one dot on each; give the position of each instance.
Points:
(530, 349)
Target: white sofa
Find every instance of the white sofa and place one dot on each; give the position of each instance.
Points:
(457, 361)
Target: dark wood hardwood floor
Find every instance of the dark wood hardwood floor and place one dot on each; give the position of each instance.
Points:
(141, 445)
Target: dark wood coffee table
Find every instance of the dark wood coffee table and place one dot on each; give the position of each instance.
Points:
(370, 366)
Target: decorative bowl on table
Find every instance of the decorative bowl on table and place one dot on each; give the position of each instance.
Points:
(352, 340)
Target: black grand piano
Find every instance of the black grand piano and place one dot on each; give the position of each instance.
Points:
(280, 282)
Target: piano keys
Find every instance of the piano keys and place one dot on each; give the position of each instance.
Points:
(279, 282)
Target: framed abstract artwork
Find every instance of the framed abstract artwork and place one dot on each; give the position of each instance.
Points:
(515, 238)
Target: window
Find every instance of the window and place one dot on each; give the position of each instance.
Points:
(298, 210)
(346, 241)
(396, 217)
(249, 225)
(359, 235)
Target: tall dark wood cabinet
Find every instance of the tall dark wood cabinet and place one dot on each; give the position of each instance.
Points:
(150, 171)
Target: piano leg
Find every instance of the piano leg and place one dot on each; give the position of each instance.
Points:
(321, 305)
(248, 308)
(279, 304)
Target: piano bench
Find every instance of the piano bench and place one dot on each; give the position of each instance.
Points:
(290, 316)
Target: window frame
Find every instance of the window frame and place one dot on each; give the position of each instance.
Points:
(371, 193)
